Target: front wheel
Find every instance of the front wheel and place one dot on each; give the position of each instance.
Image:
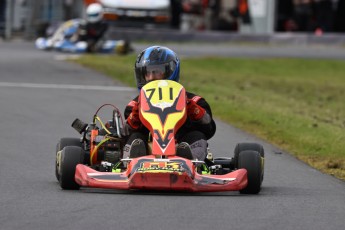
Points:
(66, 141)
(247, 146)
(252, 162)
(70, 157)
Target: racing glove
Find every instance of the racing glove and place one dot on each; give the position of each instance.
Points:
(133, 118)
(194, 111)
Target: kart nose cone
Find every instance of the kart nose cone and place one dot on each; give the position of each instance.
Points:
(161, 181)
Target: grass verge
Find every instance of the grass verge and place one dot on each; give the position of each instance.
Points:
(296, 104)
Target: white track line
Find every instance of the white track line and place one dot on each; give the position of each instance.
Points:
(63, 86)
(62, 57)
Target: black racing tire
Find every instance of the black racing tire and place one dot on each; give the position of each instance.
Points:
(70, 157)
(247, 146)
(66, 141)
(252, 162)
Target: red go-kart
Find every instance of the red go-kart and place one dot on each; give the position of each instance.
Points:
(95, 160)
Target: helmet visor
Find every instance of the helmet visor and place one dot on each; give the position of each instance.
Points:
(155, 72)
(94, 17)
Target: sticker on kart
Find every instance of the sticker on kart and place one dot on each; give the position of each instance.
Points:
(161, 167)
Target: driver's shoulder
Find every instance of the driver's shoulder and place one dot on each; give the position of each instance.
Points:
(193, 96)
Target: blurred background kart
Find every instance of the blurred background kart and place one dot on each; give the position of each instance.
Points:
(61, 38)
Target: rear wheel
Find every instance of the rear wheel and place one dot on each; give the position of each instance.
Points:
(70, 157)
(252, 162)
(59, 146)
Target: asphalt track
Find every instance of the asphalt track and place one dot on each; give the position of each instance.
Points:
(40, 96)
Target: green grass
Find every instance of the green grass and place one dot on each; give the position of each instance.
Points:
(296, 104)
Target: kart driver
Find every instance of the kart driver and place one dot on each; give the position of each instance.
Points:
(156, 63)
(92, 31)
(93, 28)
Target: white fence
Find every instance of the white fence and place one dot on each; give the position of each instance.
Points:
(29, 18)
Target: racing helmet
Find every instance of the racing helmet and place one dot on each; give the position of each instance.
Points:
(157, 57)
(94, 12)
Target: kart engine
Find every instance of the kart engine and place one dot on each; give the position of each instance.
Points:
(110, 152)
(103, 144)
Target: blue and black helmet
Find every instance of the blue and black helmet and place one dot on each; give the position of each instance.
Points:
(157, 56)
